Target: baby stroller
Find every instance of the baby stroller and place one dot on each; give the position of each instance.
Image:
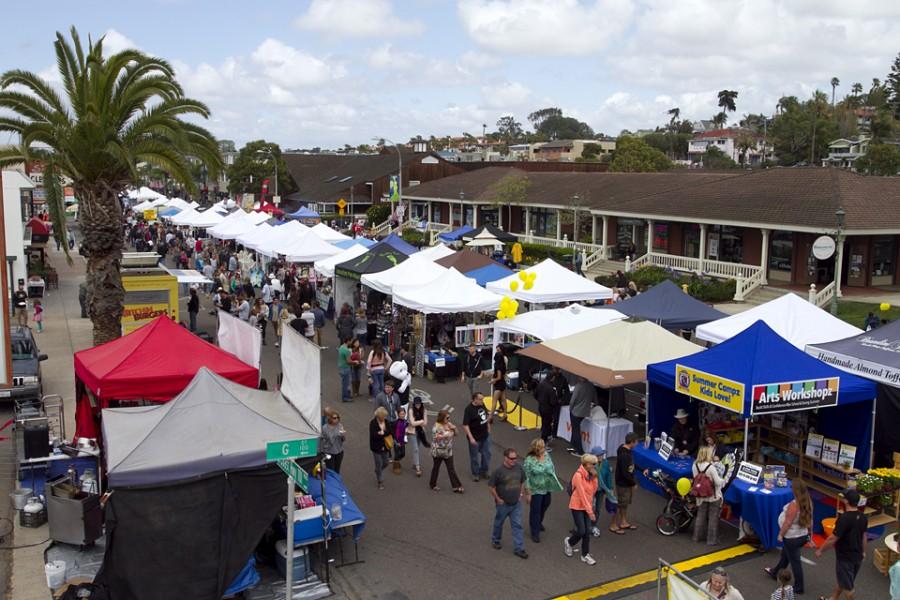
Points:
(679, 510)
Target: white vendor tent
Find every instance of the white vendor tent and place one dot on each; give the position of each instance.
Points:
(554, 283)
(187, 276)
(207, 218)
(326, 266)
(328, 234)
(185, 217)
(436, 252)
(790, 316)
(180, 204)
(145, 193)
(257, 217)
(557, 322)
(308, 248)
(452, 292)
(235, 224)
(281, 235)
(255, 236)
(183, 438)
(422, 271)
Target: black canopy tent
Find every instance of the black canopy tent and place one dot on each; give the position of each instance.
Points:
(669, 307)
(874, 355)
(380, 257)
(499, 234)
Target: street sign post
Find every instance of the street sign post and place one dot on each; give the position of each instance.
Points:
(295, 472)
(291, 449)
(342, 204)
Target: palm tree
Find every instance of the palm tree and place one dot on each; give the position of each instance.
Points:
(834, 83)
(857, 88)
(720, 119)
(726, 100)
(674, 113)
(119, 111)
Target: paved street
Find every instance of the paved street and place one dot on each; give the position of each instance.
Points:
(419, 543)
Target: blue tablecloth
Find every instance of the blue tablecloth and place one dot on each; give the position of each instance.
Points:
(431, 357)
(246, 579)
(758, 508)
(351, 516)
(649, 458)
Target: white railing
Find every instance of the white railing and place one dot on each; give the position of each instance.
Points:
(730, 270)
(676, 263)
(743, 287)
(823, 296)
(436, 229)
(592, 259)
(641, 261)
(559, 243)
(382, 229)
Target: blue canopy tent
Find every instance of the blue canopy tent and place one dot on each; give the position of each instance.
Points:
(669, 307)
(486, 274)
(759, 372)
(344, 244)
(456, 234)
(168, 210)
(303, 213)
(398, 243)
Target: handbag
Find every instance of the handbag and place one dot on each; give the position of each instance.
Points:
(441, 451)
(389, 442)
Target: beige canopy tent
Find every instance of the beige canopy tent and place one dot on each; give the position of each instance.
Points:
(614, 354)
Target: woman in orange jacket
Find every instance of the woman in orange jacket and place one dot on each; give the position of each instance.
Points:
(584, 486)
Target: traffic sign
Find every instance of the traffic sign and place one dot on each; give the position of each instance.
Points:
(276, 200)
(291, 449)
(342, 204)
(295, 472)
(341, 211)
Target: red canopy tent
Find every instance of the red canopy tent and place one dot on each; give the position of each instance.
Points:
(155, 362)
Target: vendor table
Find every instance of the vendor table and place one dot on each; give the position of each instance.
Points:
(443, 365)
(760, 508)
(593, 433)
(351, 517)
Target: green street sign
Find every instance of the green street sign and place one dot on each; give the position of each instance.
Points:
(291, 449)
(295, 472)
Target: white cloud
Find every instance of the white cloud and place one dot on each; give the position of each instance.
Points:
(389, 57)
(114, 42)
(539, 27)
(292, 67)
(505, 95)
(356, 18)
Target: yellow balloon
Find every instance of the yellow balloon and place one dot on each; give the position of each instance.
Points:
(504, 303)
(532, 276)
(683, 486)
(523, 275)
(885, 307)
(514, 307)
(514, 285)
(500, 314)
(528, 285)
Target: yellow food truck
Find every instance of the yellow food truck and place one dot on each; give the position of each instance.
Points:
(150, 290)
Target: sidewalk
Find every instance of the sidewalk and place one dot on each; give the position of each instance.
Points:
(65, 332)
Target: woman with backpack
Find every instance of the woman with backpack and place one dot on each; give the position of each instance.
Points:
(795, 525)
(707, 490)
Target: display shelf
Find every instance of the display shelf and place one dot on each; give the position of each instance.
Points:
(847, 470)
(786, 434)
(843, 483)
(480, 335)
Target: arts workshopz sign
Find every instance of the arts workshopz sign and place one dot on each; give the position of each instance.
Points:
(710, 388)
(795, 395)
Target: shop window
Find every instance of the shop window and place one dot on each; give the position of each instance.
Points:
(884, 252)
(691, 240)
(781, 251)
(726, 243)
(661, 237)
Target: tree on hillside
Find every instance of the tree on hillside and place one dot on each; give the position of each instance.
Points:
(633, 155)
(893, 87)
(509, 129)
(881, 159)
(564, 128)
(793, 129)
(253, 164)
(835, 82)
(119, 111)
(818, 107)
(720, 119)
(727, 100)
(539, 116)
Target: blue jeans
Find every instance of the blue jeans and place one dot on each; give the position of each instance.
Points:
(539, 505)
(377, 382)
(480, 457)
(345, 383)
(514, 512)
(582, 531)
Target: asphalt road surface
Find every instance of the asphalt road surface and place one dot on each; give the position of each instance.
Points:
(424, 544)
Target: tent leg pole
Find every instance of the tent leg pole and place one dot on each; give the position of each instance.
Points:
(325, 525)
(608, 410)
(872, 436)
(289, 543)
(746, 436)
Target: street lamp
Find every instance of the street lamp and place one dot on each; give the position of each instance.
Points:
(839, 215)
(399, 173)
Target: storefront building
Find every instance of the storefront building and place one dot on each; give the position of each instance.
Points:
(754, 226)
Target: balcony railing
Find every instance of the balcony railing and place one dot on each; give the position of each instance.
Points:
(747, 277)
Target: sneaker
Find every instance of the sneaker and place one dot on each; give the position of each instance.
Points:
(588, 559)
(595, 532)
(521, 553)
(496, 545)
(567, 548)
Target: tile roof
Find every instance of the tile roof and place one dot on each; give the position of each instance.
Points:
(795, 197)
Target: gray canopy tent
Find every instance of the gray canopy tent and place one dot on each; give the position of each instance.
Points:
(192, 493)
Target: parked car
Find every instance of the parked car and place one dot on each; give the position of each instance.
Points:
(26, 365)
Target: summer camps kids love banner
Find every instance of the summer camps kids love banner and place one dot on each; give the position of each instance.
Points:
(710, 388)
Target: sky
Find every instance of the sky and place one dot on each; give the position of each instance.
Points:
(333, 72)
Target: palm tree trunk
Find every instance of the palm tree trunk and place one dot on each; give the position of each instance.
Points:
(100, 220)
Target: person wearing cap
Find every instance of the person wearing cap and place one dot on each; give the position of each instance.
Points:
(849, 542)
(685, 436)
(308, 316)
(605, 491)
(719, 587)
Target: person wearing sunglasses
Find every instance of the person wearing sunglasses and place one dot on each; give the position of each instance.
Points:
(333, 437)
